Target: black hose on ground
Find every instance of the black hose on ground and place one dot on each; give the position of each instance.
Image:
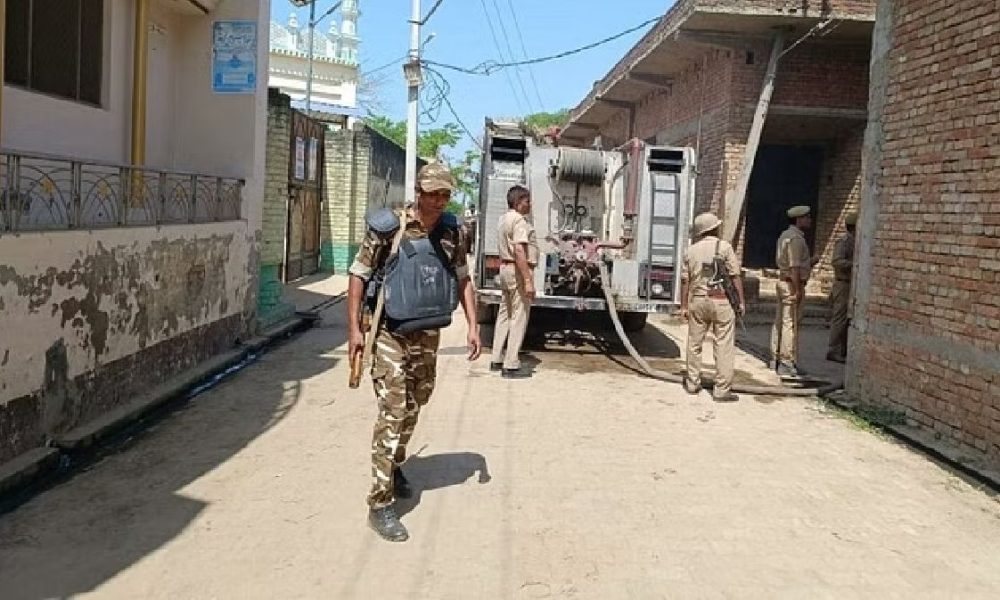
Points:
(755, 390)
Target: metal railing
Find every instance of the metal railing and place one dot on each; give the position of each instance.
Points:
(45, 193)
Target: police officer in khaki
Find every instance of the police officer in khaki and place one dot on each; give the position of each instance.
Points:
(794, 266)
(705, 306)
(840, 292)
(405, 364)
(518, 249)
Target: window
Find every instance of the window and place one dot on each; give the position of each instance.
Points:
(56, 47)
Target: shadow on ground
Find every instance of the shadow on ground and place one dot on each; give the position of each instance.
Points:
(129, 502)
(427, 473)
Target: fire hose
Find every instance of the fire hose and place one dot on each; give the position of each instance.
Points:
(755, 390)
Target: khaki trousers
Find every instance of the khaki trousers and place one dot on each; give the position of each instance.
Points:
(840, 295)
(717, 316)
(785, 330)
(512, 319)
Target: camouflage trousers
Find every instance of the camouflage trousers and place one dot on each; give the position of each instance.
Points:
(404, 373)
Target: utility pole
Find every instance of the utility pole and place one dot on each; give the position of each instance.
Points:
(313, 21)
(414, 79)
(312, 51)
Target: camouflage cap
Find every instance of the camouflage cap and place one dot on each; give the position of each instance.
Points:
(434, 177)
(798, 211)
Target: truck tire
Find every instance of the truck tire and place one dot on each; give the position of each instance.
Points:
(486, 314)
(633, 321)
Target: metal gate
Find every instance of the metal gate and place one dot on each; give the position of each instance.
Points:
(305, 189)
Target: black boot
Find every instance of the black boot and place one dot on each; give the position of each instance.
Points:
(401, 485)
(386, 523)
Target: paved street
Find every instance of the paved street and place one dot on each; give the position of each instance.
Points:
(586, 481)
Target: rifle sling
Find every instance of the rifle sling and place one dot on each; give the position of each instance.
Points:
(380, 302)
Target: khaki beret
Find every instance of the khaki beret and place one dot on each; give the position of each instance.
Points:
(798, 211)
(851, 218)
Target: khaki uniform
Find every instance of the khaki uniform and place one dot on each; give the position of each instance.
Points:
(840, 294)
(709, 310)
(792, 253)
(512, 318)
(404, 367)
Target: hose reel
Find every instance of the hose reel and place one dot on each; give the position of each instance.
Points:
(576, 165)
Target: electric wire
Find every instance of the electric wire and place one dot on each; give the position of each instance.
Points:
(510, 53)
(490, 67)
(815, 29)
(524, 53)
(442, 91)
(431, 12)
(385, 66)
(496, 42)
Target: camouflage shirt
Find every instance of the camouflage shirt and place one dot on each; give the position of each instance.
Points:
(376, 246)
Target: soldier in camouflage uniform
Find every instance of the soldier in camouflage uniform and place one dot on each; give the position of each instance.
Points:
(404, 366)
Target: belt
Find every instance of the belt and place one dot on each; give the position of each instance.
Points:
(511, 262)
(717, 294)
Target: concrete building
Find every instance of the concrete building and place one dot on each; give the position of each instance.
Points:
(696, 79)
(335, 64)
(926, 328)
(132, 172)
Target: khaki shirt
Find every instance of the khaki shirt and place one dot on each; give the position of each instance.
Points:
(697, 269)
(375, 248)
(843, 258)
(793, 253)
(515, 229)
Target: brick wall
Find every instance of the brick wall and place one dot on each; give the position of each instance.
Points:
(927, 322)
(721, 89)
(342, 221)
(270, 306)
(357, 163)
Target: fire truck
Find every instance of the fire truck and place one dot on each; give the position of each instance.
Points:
(625, 213)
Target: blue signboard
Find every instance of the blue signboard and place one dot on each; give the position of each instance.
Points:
(234, 57)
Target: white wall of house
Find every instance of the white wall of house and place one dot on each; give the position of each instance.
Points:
(110, 293)
(34, 122)
(92, 292)
(188, 127)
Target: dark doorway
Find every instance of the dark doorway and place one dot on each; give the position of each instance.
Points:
(783, 177)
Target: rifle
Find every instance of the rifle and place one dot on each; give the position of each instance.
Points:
(722, 278)
(367, 318)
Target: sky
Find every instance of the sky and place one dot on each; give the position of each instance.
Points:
(463, 38)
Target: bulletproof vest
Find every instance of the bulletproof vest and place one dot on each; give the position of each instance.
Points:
(421, 289)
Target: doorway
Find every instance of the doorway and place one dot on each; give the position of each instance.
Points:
(783, 177)
(305, 188)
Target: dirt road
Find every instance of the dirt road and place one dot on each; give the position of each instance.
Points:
(586, 481)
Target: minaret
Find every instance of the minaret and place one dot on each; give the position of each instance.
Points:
(293, 28)
(349, 31)
(333, 43)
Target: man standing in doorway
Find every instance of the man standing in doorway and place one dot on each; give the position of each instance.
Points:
(840, 293)
(518, 251)
(794, 266)
(706, 307)
(405, 364)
